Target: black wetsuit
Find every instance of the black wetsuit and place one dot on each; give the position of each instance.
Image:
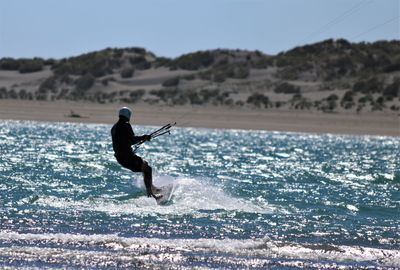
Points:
(123, 138)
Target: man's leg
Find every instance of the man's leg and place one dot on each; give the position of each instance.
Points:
(148, 179)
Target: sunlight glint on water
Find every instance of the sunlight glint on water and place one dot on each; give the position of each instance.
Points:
(242, 199)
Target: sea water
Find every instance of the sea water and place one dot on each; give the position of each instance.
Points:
(242, 199)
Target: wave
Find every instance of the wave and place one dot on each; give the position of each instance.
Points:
(113, 249)
(190, 195)
(387, 179)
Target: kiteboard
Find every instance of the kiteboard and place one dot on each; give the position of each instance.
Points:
(166, 194)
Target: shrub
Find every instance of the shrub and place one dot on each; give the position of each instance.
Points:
(136, 95)
(12, 94)
(28, 66)
(332, 97)
(392, 68)
(41, 96)
(258, 99)
(193, 61)
(373, 85)
(140, 62)
(23, 94)
(241, 73)
(219, 77)
(301, 103)
(48, 85)
(194, 98)
(97, 64)
(229, 102)
(117, 53)
(289, 73)
(137, 50)
(63, 94)
(395, 108)
(279, 104)
(66, 79)
(205, 75)
(393, 89)
(49, 62)
(347, 100)
(179, 100)
(339, 67)
(143, 65)
(171, 82)
(348, 96)
(162, 61)
(330, 107)
(104, 81)
(137, 59)
(239, 103)
(3, 93)
(263, 63)
(165, 94)
(208, 94)
(189, 77)
(84, 83)
(365, 99)
(127, 72)
(380, 100)
(287, 88)
(9, 64)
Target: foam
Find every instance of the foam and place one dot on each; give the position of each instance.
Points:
(190, 195)
(260, 248)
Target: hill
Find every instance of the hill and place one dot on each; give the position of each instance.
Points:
(329, 76)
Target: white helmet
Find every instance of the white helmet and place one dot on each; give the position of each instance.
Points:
(126, 112)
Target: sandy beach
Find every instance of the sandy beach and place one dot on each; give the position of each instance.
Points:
(206, 117)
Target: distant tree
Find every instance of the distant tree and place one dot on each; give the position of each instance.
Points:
(258, 100)
(347, 100)
(332, 97)
(23, 94)
(136, 95)
(12, 94)
(189, 77)
(392, 68)
(28, 66)
(193, 61)
(162, 61)
(239, 103)
(171, 82)
(9, 64)
(373, 85)
(393, 89)
(127, 72)
(241, 72)
(287, 88)
(48, 85)
(84, 83)
(3, 93)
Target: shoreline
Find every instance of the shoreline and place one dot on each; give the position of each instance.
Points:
(206, 117)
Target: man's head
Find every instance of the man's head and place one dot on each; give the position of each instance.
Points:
(125, 112)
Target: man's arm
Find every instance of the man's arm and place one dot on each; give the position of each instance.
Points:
(137, 139)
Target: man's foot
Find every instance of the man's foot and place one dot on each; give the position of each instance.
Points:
(155, 190)
(157, 197)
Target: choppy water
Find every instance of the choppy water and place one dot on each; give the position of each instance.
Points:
(243, 199)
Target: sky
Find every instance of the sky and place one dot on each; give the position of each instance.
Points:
(64, 28)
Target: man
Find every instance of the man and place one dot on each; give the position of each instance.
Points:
(123, 138)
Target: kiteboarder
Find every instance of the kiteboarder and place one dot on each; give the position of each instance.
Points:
(123, 138)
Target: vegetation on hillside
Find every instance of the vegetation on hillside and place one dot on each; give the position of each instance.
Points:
(365, 76)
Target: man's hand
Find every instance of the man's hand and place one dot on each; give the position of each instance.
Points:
(147, 137)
